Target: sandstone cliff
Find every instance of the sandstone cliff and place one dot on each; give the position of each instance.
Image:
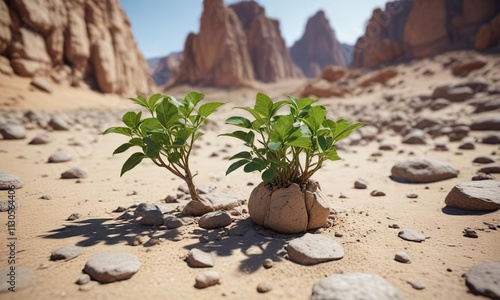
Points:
(78, 41)
(163, 69)
(408, 29)
(318, 47)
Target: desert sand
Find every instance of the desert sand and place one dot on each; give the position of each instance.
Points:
(364, 221)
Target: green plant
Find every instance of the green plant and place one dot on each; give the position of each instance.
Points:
(168, 136)
(287, 148)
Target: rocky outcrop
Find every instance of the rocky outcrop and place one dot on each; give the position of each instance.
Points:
(318, 47)
(218, 54)
(409, 29)
(268, 52)
(81, 41)
(163, 69)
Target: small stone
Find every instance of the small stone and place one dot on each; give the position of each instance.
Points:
(268, 263)
(170, 199)
(416, 284)
(40, 139)
(312, 249)
(46, 197)
(199, 259)
(67, 253)
(74, 173)
(142, 208)
(140, 240)
(470, 233)
(206, 279)
(12, 132)
(412, 235)
(412, 196)
(60, 156)
(483, 160)
(58, 123)
(402, 257)
(483, 278)
(377, 193)
(394, 226)
(360, 184)
(338, 234)
(482, 176)
(112, 266)
(214, 220)
(152, 218)
(490, 169)
(83, 279)
(422, 170)
(174, 223)
(87, 287)
(42, 84)
(475, 195)
(8, 180)
(120, 209)
(74, 216)
(264, 287)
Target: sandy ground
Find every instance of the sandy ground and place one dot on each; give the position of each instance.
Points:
(369, 243)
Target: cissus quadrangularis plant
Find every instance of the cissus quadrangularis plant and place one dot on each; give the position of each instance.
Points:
(167, 136)
(288, 149)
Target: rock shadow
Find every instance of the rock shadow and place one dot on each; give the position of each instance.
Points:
(463, 212)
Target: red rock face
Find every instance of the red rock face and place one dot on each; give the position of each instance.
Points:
(318, 47)
(408, 29)
(163, 69)
(82, 40)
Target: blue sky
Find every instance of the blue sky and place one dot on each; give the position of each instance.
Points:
(161, 26)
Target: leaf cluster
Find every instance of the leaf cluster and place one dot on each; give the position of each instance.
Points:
(286, 148)
(168, 135)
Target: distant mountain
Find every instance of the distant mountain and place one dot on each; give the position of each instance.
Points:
(348, 52)
(164, 68)
(409, 29)
(318, 47)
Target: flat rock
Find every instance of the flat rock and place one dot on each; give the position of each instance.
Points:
(13, 132)
(491, 139)
(67, 252)
(483, 159)
(415, 137)
(214, 220)
(360, 184)
(354, 286)
(482, 176)
(42, 84)
(60, 156)
(7, 180)
(206, 279)
(422, 170)
(402, 257)
(486, 123)
(199, 259)
(112, 266)
(212, 202)
(312, 249)
(144, 207)
(74, 173)
(412, 235)
(23, 278)
(484, 279)
(152, 218)
(475, 195)
(40, 139)
(58, 123)
(490, 169)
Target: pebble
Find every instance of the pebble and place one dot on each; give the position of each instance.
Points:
(67, 253)
(152, 218)
(482, 176)
(402, 257)
(268, 263)
(74, 216)
(377, 193)
(112, 266)
(422, 170)
(199, 259)
(412, 196)
(470, 233)
(13, 132)
(139, 240)
(60, 156)
(206, 279)
(142, 208)
(412, 235)
(416, 284)
(46, 197)
(74, 173)
(58, 123)
(312, 249)
(483, 278)
(360, 184)
(264, 287)
(83, 279)
(40, 139)
(483, 160)
(338, 234)
(174, 223)
(7, 180)
(214, 220)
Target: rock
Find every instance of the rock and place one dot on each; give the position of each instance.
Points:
(40, 140)
(422, 170)
(74, 173)
(23, 278)
(111, 266)
(58, 123)
(214, 220)
(412, 235)
(12, 132)
(312, 249)
(83, 279)
(475, 195)
(354, 286)
(74, 216)
(491, 139)
(322, 89)
(67, 253)
(318, 47)
(482, 176)
(152, 218)
(415, 137)
(212, 202)
(60, 156)
(416, 284)
(381, 77)
(264, 287)
(360, 184)
(163, 69)
(42, 84)
(465, 67)
(486, 123)
(7, 180)
(174, 223)
(385, 146)
(333, 73)
(5, 205)
(143, 208)
(199, 259)
(486, 105)
(402, 257)
(483, 159)
(483, 279)
(453, 93)
(268, 263)
(377, 193)
(467, 144)
(490, 169)
(440, 103)
(425, 122)
(206, 279)
(471, 233)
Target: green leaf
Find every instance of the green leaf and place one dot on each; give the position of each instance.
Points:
(277, 106)
(237, 134)
(236, 165)
(332, 154)
(129, 119)
(122, 148)
(150, 125)
(269, 175)
(304, 102)
(253, 166)
(323, 144)
(253, 112)
(275, 146)
(283, 126)
(194, 97)
(141, 100)
(153, 100)
(152, 149)
(174, 157)
(121, 130)
(301, 142)
(242, 154)
(263, 105)
(239, 121)
(179, 142)
(136, 142)
(167, 114)
(208, 108)
(316, 117)
(131, 162)
(348, 130)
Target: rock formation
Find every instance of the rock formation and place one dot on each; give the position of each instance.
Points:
(85, 41)
(163, 69)
(318, 47)
(409, 29)
(268, 52)
(235, 46)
